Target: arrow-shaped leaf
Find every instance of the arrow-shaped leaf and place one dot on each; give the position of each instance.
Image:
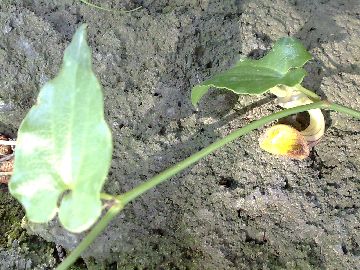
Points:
(282, 65)
(64, 145)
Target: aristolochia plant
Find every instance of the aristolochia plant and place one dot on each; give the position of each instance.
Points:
(63, 149)
(280, 72)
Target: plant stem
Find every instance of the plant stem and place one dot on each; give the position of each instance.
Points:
(108, 9)
(308, 92)
(90, 237)
(344, 109)
(107, 197)
(129, 196)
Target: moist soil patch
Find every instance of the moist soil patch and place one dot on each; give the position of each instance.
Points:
(239, 208)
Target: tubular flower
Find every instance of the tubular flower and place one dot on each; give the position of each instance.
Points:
(284, 140)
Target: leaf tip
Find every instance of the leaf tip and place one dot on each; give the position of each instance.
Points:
(80, 34)
(197, 92)
(78, 52)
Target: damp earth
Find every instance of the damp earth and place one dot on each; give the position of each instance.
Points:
(239, 208)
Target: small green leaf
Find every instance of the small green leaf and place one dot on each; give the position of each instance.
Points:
(64, 145)
(197, 92)
(282, 65)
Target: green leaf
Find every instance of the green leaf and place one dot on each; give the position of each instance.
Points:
(197, 92)
(64, 145)
(282, 65)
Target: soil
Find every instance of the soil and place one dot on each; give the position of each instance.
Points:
(239, 208)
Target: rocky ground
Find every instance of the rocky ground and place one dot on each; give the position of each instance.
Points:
(239, 208)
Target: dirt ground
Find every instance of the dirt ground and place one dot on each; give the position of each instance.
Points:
(239, 208)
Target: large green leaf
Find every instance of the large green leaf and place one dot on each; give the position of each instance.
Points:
(282, 65)
(64, 145)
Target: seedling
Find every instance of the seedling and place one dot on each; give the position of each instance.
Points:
(63, 149)
(280, 72)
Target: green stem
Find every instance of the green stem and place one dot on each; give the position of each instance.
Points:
(161, 177)
(90, 237)
(107, 197)
(108, 9)
(344, 109)
(127, 197)
(308, 92)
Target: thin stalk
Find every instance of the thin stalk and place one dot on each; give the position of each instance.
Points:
(107, 197)
(161, 177)
(109, 9)
(127, 197)
(6, 173)
(344, 109)
(314, 97)
(90, 237)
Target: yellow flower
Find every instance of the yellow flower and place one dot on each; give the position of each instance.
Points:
(284, 141)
